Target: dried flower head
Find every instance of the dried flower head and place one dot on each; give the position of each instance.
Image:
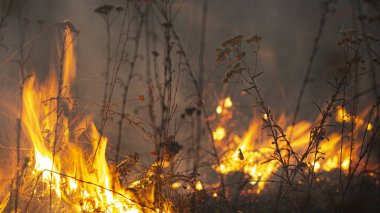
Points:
(222, 54)
(235, 69)
(233, 42)
(119, 9)
(104, 10)
(254, 39)
(155, 53)
(180, 52)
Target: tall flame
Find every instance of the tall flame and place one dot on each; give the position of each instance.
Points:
(84, 182)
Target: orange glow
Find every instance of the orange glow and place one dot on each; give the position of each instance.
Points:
(199, 186)
(369, 127)
(224, 106)
(176, 185)
(317, 166)
(219, 109)
(88, 182)
(342, 115)
(228, 102)
(250, 153)
(219, 133)
(265, 116)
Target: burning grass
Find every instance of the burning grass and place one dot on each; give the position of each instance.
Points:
(275, 162)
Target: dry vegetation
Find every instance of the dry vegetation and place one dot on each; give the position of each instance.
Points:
(58, 158)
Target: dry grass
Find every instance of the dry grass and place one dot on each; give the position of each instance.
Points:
(181, 135)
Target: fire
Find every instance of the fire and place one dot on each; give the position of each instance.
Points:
(219, 133)
(219, 109)
(369, 127)
(251, 152)
(176, 185)
(199, 186)
(224, 105)
(228, 102)
(78, 176)
(82, 180)
(343, 115)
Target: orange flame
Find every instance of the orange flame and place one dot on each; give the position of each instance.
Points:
(252, 152)
(83, 181)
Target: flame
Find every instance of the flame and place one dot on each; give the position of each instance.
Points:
(219, 133)
(228, 102)
(251, 153)
(198, 185)
(343, 115)
(176, 185)
(4, 202)
(369, 127)
(69, 63)
(224, 105)
(82, 180)
(80, 177)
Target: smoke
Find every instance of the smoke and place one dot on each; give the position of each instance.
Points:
(288, 29)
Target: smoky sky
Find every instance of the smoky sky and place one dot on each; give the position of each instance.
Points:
(288, 29)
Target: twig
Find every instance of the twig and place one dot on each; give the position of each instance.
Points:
(128, 82)
(198, 133)
(326, 8)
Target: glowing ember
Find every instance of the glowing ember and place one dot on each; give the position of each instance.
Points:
(228, 102)
(199, 186)
(176, 185)
(224, 105)
(219, 133)
(369, 127)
